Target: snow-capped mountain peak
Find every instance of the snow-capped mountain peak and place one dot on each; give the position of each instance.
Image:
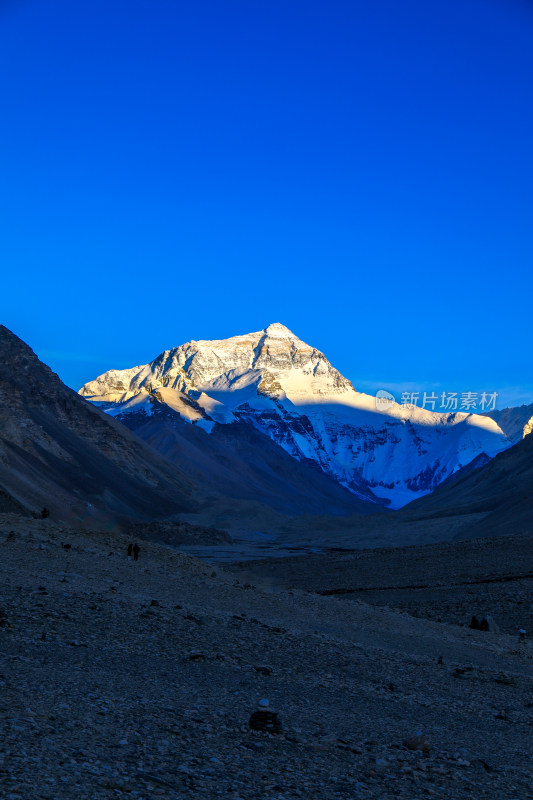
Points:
(278, 331)
(290, 391)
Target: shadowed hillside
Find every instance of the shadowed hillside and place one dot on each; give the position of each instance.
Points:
(240, 462)
(58, 451)
(502, 490)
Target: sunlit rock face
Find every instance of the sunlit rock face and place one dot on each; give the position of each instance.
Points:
(290, 391)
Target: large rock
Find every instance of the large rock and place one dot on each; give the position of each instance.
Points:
(483, 622)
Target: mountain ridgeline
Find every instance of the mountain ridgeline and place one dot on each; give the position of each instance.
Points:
(256, 433)
(289, 392)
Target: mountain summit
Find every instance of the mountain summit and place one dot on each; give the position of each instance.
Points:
(289, 390)
(277, 329)
(228, 365)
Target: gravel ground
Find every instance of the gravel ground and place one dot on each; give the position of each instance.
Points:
(448, 581)
(124, 679)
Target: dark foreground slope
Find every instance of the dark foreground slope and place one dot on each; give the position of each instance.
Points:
(137, 680)
(240, 462)
(60, 452)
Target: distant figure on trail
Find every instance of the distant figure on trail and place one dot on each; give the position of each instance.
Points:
(130, 551)
(45, 513)
(136, 549)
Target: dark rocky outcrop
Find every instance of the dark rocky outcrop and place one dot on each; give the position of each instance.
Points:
(483, 622)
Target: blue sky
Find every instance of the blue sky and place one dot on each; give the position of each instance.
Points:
(359, 171)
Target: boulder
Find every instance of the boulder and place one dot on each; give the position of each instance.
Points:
(417, 742)
(264, 719)
(483, 623)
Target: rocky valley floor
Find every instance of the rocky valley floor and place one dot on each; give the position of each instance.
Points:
(446, 581)
(124, 679)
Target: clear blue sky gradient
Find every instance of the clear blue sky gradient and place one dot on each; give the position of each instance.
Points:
(360, 171)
